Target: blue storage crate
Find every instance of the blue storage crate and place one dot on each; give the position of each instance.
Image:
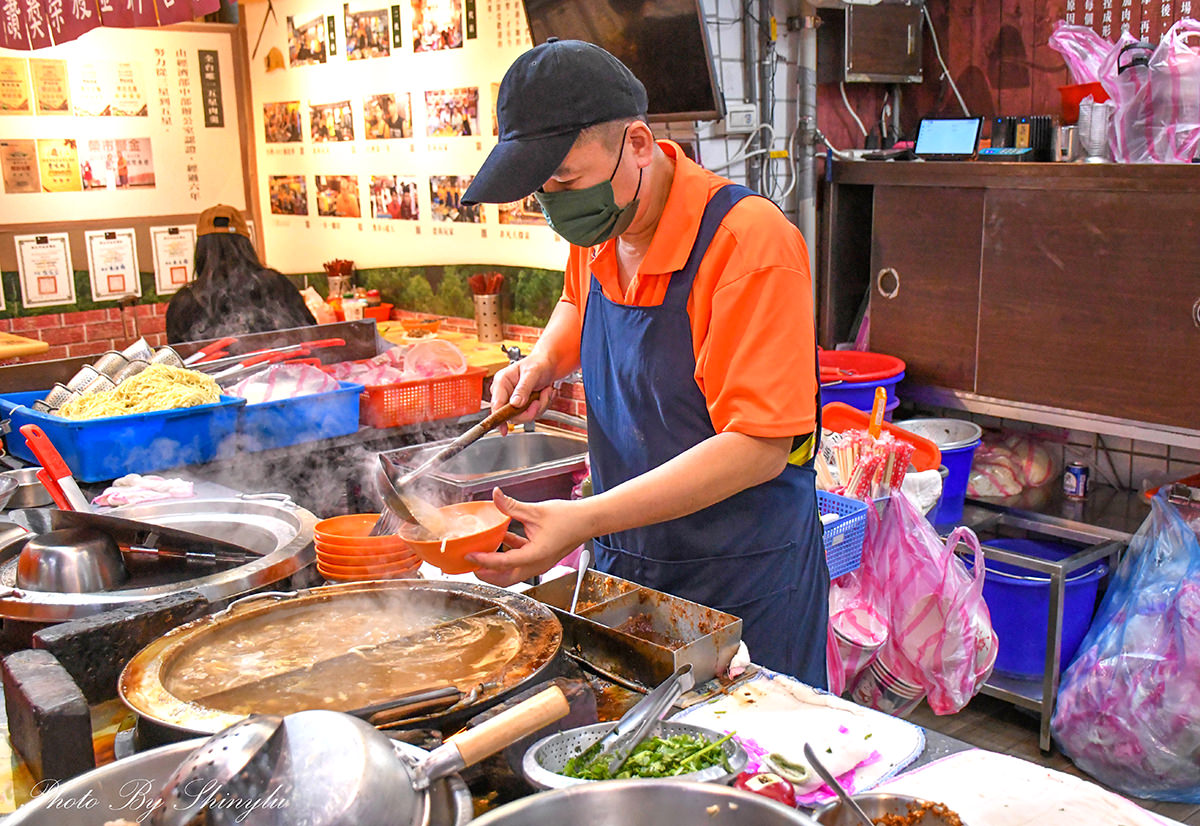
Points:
(285, 422)
(97, 450)
(843, 538)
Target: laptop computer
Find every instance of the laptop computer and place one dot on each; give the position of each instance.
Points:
(948, 139)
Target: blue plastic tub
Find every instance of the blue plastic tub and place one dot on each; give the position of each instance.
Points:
(861, 394)
(286, 422)
(957, 439)
(1019, 601)
(97, 450)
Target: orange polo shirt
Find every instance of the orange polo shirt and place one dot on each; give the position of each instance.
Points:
(750, 307)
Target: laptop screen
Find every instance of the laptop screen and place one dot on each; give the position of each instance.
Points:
(948, 138)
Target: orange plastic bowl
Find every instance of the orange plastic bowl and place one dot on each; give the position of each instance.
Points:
(335, 557)
(448, 555)
(368, 572)
(350, 534)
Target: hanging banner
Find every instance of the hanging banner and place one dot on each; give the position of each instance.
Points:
(44, 264)
(174, 249)
(112, 262)
(37, 24)
(70, 19)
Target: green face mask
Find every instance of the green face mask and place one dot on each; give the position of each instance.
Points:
(587, 217)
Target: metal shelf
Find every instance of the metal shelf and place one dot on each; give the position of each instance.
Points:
(1034, 694)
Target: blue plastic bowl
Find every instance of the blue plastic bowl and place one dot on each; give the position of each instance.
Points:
(1019, 601)
(861, 394)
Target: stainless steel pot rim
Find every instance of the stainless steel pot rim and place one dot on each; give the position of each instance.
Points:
(141, 689)
(947, 434)
(292, 526)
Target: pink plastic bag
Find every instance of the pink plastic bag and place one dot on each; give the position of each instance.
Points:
(1156, 92)
(940, 631)
(1082, 50)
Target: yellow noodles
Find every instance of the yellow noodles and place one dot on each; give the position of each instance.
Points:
(158, 387)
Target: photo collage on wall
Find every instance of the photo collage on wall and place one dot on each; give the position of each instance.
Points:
(381, 119)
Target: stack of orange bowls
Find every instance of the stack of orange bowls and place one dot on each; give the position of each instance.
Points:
(346, 552)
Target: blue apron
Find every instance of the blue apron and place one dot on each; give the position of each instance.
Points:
(758, 554)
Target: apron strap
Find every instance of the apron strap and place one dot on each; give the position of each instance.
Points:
(680, 286)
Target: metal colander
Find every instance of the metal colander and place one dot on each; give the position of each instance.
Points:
(548, 756)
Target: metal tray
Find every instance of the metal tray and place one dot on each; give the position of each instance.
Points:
(700, 636)
(530, 466)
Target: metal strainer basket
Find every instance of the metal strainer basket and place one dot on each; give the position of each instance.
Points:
(548, 756)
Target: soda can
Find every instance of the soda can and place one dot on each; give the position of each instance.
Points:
(1075, 481)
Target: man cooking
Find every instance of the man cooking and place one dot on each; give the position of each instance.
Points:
(688, 305)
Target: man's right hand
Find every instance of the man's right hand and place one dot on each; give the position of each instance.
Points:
(522, 381)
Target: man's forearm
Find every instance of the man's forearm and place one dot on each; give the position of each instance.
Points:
(710, 472)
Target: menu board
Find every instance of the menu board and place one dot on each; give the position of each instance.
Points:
(107, 117)
(368, 138)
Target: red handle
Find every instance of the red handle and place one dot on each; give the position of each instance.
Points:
(54, 489)
(209, 351)
(324, 342)
(314, 362)
(259, 359)
(45, 451)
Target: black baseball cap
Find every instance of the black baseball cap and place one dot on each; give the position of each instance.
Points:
(548, 96)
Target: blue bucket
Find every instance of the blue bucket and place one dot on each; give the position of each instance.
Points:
(1019, 601)
(957, 439)
(861, 394)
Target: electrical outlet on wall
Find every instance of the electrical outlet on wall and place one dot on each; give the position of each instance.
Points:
(740, 118)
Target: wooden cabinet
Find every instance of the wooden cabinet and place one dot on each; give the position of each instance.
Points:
(925, 281)
(1073, 287)
(1087, 302)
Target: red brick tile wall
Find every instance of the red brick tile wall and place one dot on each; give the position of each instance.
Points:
(90, 332)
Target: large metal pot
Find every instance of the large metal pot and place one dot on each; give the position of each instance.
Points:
(276, 529)
(646, 803)
(252, 646)
(127, 788)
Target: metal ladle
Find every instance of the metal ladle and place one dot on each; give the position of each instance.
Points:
(397, 490)
(831, 781)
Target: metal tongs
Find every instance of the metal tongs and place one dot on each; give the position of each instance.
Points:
(639, 721)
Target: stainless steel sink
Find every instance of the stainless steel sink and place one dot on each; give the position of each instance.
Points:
(544, 464)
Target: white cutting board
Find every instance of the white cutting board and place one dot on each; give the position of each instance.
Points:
(990, 789)
(776, 713)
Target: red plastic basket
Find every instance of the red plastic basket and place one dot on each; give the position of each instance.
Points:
(422, 400)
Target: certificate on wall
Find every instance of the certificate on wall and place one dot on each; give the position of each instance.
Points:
(58, 162)
(51, 89)
(18, 160)
(44, 263)
(174, 248)
(112, 262)
(15, 97)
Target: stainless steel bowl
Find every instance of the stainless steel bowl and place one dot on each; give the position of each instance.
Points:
(29, 493)
(876, 805)
(646, 803)
(71, 561)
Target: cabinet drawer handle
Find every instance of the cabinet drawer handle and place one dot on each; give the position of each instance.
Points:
(887, 282)
(1196, 313)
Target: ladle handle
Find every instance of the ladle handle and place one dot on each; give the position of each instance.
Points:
(496, 417)
(509, 726)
